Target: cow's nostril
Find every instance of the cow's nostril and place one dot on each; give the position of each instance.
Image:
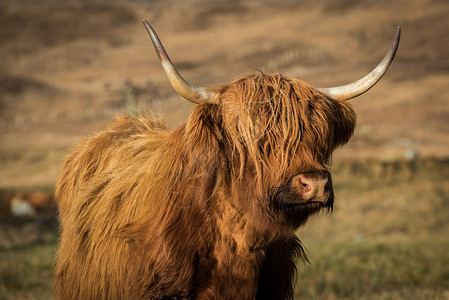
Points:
(305, 183)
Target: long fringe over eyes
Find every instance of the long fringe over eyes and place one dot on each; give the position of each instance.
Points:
(277, 123)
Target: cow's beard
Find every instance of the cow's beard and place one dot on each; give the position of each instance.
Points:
(292, 208)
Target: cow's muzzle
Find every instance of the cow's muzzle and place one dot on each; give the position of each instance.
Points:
(303, 195)
(306, 193)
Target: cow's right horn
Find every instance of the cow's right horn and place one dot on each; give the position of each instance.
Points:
(356, 88)
(182, 87)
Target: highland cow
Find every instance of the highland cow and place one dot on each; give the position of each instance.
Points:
(208, 210)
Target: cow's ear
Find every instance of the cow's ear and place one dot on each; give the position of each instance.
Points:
(204, 130)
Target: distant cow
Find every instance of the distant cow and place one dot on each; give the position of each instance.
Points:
(208, 210)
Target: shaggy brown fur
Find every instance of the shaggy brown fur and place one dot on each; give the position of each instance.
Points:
(148, 213)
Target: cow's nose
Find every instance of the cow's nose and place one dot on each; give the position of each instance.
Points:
(312, 185)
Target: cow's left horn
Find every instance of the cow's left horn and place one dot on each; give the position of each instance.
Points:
(182, 87)
(362, 85)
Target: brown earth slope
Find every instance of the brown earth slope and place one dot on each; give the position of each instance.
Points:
(65, 68)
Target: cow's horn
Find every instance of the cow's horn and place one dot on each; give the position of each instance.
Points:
(182, 87)
(362, 85)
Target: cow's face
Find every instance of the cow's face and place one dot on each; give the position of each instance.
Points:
(279, 135)
(295, 130)
(307, 189)
(306, 186)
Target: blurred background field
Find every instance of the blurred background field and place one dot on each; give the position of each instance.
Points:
(67, 67)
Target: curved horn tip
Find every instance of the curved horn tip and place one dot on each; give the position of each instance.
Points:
(146, 23)
(397, 35)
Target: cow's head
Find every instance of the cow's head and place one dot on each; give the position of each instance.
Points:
(278, 132)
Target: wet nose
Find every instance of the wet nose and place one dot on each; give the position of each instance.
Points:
(312, 185)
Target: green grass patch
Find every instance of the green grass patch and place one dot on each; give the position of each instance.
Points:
(406, 270)
(27, 272)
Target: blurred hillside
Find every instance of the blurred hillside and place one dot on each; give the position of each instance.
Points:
(66, 67)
